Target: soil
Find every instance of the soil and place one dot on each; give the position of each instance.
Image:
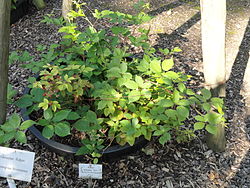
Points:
(176, 23)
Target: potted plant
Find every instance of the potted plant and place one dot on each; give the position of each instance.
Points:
(94, 92)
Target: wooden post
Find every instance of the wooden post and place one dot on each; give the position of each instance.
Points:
(5, 6)
(213, 22)
(66, 8)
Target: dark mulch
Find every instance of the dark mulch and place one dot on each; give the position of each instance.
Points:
(174, 165)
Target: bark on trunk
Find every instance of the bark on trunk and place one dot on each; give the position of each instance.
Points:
(66, 8)
(5, 6)
(213, 18)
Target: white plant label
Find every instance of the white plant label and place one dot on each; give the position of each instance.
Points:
(16, 164)
(90, 171)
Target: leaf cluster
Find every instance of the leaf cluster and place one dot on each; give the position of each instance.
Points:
(90, 84)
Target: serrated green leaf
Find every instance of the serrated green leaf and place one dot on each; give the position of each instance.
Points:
(199, 118)
(61, 115)
(213, 118)
(62, 129)
(199, 125)
(167, 64)
(206, 107)
(26, 124)
(176, 96)
(21, 137)
(181, 87)
(24, 101)
(131, 84)
(158, 132)
(171, 75)
(14, 120)
(48, 114)
(91, 116)
(206, 93)
(134, 96)
(7, 137)
(82, 125)
(182, 112)
(211, 129)
(43, 122)
(37, 94)
(190, 92)
(165, 103)
(48, 131)
(164, 138)
(140, 81)
(155, 66)
(73, 116)
(102, 104)
(83, 151)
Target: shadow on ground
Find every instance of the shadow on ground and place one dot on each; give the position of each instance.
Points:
(235, 84)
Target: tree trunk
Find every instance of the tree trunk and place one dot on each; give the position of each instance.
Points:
(5, 6)
(66, 8)
(213, 19)
(39, 4)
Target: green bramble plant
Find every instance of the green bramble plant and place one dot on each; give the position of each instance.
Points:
(91, 83)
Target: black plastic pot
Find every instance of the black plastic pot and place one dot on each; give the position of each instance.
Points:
(111, 153)
(21, 9)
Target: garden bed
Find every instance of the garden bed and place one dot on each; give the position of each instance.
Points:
(175, 165)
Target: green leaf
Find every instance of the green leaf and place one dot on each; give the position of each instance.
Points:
(158, 132)
(82, 125)
(26, 124)
(217, 102)
(199, 118)
(182, 112)
(61, 115)
(48, 131)
(181, 87)
(62, 129)
(206, 93)
(7, 137)
(211, 129)
(21, 137)
(190, 92)
(176, 96)
(14, 120)
(130, 140)
(213, 118)
(164, 138)
(48, 114)
(199, 125)
(91, 116)
(165, 103)
(155, 66)
(24, 101)
(73, 116)
(206, 107)
(102, 104)
(167, 64)
(37, 94)
(43, 122)
(106, 52)
(131, 84)
(139, 81)
(171, 75)
(83, 151)
(171, 113)
(134, 96)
